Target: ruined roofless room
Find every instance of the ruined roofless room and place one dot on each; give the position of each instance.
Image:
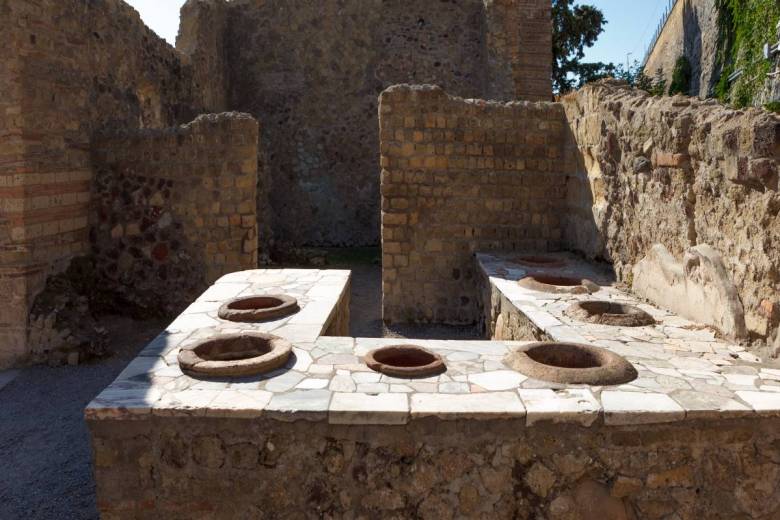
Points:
(368, 259)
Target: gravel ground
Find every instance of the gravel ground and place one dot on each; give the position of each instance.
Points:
(45, 454)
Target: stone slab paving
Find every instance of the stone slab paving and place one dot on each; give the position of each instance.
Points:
(685, 372)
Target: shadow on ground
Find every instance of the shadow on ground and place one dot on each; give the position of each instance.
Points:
(44, 442)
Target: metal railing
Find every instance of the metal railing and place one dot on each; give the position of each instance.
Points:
(660, 29)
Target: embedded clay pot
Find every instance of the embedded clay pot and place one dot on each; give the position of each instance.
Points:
(571, 363)
(610, 313)
(244, 354)
(406, 361)
(558, 284)
(540, 261)
(258, 308)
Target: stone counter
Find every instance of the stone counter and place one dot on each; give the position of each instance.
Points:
(326, 381)
(326, 437)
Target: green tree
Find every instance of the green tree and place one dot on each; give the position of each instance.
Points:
(681, 77)
(575, 28)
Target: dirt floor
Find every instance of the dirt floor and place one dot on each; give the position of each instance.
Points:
(45, 454)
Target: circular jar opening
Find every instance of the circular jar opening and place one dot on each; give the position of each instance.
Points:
(571, 363)
(540, 261)
(244, 354)
(258, 308)
(561, 281)
(610, 313)
(558, 284)
(407, 361)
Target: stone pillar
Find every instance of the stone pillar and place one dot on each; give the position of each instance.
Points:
(201, 40)
(520, 49)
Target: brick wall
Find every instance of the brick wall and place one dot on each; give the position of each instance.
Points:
(202, 42)
(175, 209)
(312, 71)
(460, 176)
(13, 278)
(519, 38)
(75, 67)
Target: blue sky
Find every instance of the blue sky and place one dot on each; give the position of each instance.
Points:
(631, 25)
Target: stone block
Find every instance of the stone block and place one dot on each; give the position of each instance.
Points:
(698, 288)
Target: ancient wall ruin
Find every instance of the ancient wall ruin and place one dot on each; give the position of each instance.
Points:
(175, 209)
(312, 73)
(13, 271)
(460, 176)
(434, 468)
(76, 67)
(201, 42)
(626, 172)
(679, 172)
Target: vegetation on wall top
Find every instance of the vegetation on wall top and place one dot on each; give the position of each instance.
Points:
(745, 26)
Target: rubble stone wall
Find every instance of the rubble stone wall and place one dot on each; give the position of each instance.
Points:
(460, 176)
(679, 172)
(175, 209)
(312, 71)
(435, 469)
(75, 67)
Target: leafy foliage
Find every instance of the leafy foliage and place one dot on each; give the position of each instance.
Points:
(681, 77)
(575, 28)
(744, 27)
(773, 106)
(634, 75)
(658, 87)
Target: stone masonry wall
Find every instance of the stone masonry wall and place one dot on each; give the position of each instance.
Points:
(312, 71)
(175, 209)
(202, 43)
(679, 172)
(519, 41)
(691, 31)
(75, 67)
(200, 468)
(13, 274)
(460, 176)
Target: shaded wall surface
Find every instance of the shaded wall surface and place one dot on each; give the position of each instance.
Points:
(679, 172)
(609, 172)
(75, 67)
(312, 72)
(460, 176)
(79, 69)
(175, 209)
(159, 466)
